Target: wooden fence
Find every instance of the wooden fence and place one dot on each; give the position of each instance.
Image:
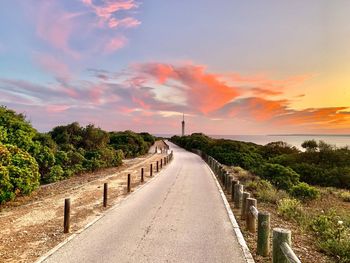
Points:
(257, 222)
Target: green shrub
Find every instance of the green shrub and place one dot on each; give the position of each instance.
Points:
(333, 235)
(56, 174)
(305, 192)
(265, 191)
(345, 196)
(19, 172)
(290, 209)
(281, 177)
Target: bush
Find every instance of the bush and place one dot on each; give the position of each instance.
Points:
(333, 235)
(345, 196)
(19, 172)
(305, 192)
(56, 174)
(265, 191)
(281, 177)
(290, 209)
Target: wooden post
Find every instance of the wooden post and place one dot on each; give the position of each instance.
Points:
(151, 170)
(244, 206)
(234, 182)
(157, 166)
(156, 151)
(142, 177)
(238, 195)
(66, 220)
(161, 163)
(164, 161)
(229, 184)
(280, 236)
(105, 193)
(263, 246)
(251, 218)
(129, 183)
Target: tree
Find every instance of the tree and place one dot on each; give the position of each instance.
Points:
(310, 145)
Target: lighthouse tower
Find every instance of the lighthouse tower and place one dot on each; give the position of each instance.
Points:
(183, 125)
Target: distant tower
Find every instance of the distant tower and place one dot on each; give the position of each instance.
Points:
(183, 125)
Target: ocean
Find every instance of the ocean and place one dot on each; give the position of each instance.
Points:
(294, 140)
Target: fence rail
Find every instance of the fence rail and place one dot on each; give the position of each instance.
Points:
(256, 221)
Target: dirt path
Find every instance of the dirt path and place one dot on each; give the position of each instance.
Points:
(31, 226)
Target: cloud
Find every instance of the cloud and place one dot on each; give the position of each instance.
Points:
(127, 22)
(149, 93)
(204, 91)
(114, 44)
(106, 11)
(87, 30)
(54, 65)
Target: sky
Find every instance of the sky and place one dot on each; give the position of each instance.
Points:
(232, 67)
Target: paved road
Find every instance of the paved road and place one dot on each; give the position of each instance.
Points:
(178, 217)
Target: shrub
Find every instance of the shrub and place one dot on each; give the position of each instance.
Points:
(290, 208)
(305, 192)
(333, 235)
(345, 196)
(265, 191)
(281, 177)
(56, 174)
(19, 172)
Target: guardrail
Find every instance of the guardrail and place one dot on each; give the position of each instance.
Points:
(256, 221)
(67, 202)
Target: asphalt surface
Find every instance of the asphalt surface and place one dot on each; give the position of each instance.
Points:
(177, 217)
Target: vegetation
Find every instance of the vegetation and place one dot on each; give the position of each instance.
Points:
(283, 165)
(28, 158)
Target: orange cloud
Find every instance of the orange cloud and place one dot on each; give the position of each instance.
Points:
(205, 92)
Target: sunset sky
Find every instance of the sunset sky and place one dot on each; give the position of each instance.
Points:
(233, 67)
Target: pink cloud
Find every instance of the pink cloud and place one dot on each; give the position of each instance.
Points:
(57, 108)
(114, 44)
(127, 22)
(106, 9)
(205, 92)
(54, 65)
(56, 26)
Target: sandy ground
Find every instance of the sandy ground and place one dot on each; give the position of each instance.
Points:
(31, 226)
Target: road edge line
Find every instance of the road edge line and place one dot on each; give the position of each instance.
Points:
(94, 221)
(248, 256)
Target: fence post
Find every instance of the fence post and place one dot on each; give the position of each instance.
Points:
(263, 246)
(129, 183)
(229, 183)
(238, 195)
(157, 166)
(105, 193)
(251, 219)
(66, 220)
(142, 175)
(234, 182)
(156, 151)
(161, 163)
(244, 206)
(280, 236)
(151, 170)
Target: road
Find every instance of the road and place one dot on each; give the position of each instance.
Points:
(177, 217)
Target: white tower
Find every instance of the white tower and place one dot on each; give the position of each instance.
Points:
(183, 125)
